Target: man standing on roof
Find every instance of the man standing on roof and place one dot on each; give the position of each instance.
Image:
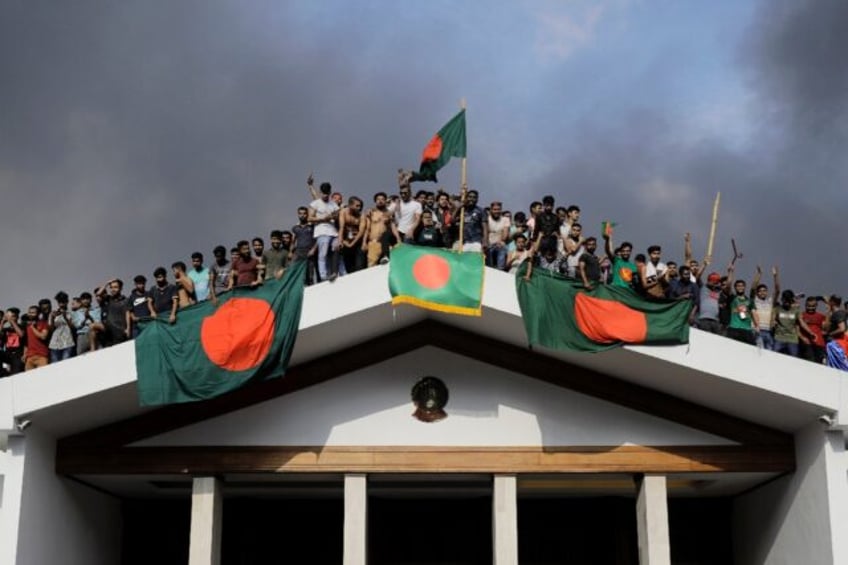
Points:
(352, 230)
(38, 332)
(812, 339)
(304, 246)
(113, 304)
(764, 303)
(163, 298)
(220, 273)
(245, 269)
(200, 277)
(743, 316)
(324, 214)
(139, 306)
(475, 233)
(407, 213)
(837, 341)
(498, 227)
(708, 305)
(623, 269)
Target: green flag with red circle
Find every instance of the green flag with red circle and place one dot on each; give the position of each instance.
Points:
(559, 313)
(448, 142)
(437, 279)
(213, 349)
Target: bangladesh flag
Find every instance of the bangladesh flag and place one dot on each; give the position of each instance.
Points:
(211, 350)
(560, 314)
(437, 279)
(448, 142)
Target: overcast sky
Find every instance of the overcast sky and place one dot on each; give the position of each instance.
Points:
(133, 133)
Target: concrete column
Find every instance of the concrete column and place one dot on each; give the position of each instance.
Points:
(355, 519)
(652, 520)
(504, 521)
(206, 520)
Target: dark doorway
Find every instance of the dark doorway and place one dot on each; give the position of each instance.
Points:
(701, 531)
(155, 531)
(294, 531)
(577, 531)
(424, 531)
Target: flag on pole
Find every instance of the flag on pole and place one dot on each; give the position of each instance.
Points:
(211, 350)
(448, 142)
(559, 314)
(437, 279)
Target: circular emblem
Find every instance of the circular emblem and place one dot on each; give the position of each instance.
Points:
(430, 395)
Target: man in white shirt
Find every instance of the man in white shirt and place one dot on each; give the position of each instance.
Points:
(498, 235)
(323, 214)
(407, 213)
(655, 276)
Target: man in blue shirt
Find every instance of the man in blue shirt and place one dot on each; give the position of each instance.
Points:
(475, 231)
(200, 276)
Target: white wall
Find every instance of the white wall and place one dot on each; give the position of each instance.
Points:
(801, 518)
(487, 406)
(60, 521)
(11, 472)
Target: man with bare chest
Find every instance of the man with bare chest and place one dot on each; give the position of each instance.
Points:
(378, 223)
(351, 224)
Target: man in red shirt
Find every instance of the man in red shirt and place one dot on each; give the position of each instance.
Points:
(37, 330)
(812, 342)
(246, 268)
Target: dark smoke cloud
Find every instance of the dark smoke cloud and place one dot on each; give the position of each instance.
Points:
(132, 134)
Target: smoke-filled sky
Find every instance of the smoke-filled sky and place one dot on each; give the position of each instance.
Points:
(133, 133)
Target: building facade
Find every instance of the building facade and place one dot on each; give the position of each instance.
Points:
(709, 453)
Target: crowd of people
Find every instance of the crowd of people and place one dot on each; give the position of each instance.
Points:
(337, 237)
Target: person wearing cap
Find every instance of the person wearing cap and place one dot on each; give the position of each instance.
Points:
(708, 305)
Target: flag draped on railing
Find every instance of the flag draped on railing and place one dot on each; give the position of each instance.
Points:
(213, 349)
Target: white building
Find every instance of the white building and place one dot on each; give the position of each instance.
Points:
(711, 453)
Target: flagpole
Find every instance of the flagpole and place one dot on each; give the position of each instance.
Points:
(713, 226)
(463, 187)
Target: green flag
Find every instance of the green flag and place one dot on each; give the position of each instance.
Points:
(437, 279)
(212, 350)
(560, 314)
(448, 142)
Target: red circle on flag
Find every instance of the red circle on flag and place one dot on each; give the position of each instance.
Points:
(431, 271)
(238, 336)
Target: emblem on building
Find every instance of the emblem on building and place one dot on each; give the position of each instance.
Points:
(430, 395)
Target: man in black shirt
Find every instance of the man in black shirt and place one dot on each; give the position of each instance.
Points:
(547, 225)
(589, 266)
(163, 296)
(113, 306)
(138, 307)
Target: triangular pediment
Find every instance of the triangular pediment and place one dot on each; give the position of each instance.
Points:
(351, 410)
(487, 406)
